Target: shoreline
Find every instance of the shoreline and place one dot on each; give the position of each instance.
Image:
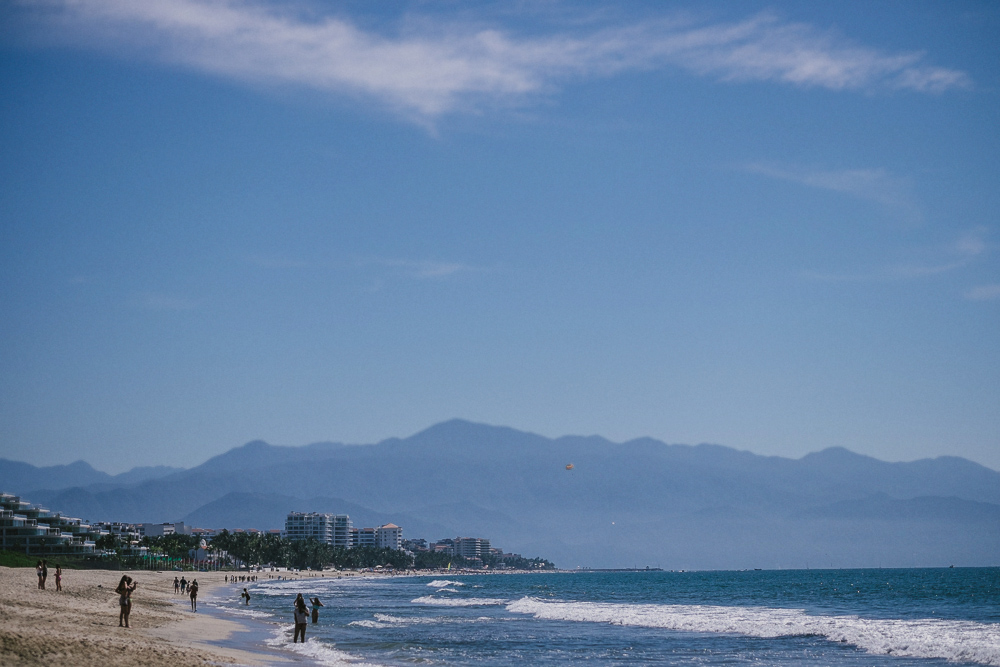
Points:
(79, 625)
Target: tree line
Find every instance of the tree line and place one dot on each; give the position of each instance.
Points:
(253, 549)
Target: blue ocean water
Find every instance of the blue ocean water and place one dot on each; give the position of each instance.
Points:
(792, 617)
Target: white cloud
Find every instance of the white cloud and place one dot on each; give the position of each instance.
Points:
(984, 293)
(874, 185)
(427, 69)
(425, 268)
(940, 260)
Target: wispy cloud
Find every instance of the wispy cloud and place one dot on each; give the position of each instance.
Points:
(424, 268)
(984, 293)
(941, 260)
(426, 68)
(874, 185)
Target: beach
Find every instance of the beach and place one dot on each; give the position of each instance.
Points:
(79, 625)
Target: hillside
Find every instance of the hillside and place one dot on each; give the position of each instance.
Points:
(641, 502)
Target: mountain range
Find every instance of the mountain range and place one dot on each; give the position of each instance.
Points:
(638, 503)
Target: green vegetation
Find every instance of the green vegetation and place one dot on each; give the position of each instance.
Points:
(16, 559)
(251, 549)
(266, 548)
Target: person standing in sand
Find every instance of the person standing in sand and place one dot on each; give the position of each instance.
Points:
(124, 590)
(45, 572)
(38, 572)
(184, 583)
(58, 577)
(193, 592)
(177, 585)
(301, 618)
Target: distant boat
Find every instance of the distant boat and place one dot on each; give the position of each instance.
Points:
(569, 466)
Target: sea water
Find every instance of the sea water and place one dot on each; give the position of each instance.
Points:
(793, 617)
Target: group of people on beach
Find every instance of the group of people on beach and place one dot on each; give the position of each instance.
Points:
(127, 586)
(42, 570)
(181, 585)
(241, 578)
(302, 616)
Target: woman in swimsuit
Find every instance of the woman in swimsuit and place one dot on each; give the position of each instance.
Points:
(124, 590)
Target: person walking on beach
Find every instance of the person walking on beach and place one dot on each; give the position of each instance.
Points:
(193, 592)
(316, 604)
(177, 585)
(246, 597)
(184, 583)
(58, 577)
(301, 618)
(38, 571)
(124, 590)
(45, 572)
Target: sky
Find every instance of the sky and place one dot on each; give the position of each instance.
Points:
(771, 226)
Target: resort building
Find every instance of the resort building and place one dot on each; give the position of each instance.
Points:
(389, 536)
(37, 531)
(363, 537)
(471, 547)
(332, 529)
(164, 529)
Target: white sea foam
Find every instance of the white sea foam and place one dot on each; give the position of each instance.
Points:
(315, 650)
(383, 621)
(458, 602)
(964, 641)
(441, 583)
(448, 590)
(249, 613)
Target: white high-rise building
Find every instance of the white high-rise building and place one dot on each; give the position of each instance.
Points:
(471, 547)
(389, 536)
(332, 529)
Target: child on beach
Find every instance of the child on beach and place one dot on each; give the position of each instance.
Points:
(193, 592)
(301, 618)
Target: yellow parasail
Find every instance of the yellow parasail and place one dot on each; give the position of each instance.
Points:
(569, 466)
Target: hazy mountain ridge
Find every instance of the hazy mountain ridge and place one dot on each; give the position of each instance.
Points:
(622, 503)
(27, 478)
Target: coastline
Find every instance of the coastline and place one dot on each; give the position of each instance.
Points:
(79, 625)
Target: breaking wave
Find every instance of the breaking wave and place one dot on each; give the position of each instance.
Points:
(965, 641)
(459, 602)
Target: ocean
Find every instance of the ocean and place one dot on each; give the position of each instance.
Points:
(854, 618)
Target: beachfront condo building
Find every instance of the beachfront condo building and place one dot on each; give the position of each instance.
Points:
(363, 537)
(37, 531)
(334, 529)
(163, 529)
(389, 536)
(471, 547)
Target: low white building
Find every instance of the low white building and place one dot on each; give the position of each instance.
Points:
(163, 529)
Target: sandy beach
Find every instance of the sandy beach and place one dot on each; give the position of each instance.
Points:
(79, 626)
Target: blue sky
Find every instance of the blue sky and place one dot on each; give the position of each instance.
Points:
(769, 226)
